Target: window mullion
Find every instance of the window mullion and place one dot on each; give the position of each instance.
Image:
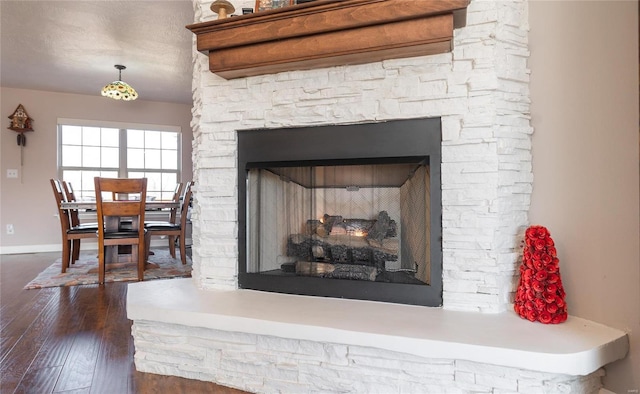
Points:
(122, 171)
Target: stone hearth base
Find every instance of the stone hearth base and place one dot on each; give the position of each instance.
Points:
(266, 342)
(267, 364)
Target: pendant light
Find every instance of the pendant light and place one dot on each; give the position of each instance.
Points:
(119, 90)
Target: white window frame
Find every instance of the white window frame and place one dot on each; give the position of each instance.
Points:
(123, 127)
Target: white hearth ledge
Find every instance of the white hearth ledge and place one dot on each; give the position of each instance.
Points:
(575, 347)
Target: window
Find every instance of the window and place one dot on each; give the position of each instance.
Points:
(107, 149)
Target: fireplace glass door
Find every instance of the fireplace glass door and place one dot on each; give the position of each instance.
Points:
(348, 211)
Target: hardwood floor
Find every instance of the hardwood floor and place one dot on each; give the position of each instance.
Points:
(71, 339)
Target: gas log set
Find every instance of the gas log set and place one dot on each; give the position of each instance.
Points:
(339, 248)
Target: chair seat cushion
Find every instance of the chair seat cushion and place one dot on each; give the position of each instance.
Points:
(82, 229)
(159, 226)
(122, 233)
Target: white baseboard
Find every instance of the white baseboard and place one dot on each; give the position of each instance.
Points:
(84, 245)
(21, 249)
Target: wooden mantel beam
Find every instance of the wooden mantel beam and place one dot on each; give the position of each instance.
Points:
(328, 33)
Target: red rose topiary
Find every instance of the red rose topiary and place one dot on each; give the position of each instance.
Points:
(540, 295)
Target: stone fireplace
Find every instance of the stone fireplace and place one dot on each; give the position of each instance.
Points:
(216, 329)
(479, 91)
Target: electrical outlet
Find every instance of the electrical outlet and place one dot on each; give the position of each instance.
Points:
(10, 229)
(11, 173)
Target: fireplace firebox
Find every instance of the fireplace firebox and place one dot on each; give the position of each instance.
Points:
(348, 211)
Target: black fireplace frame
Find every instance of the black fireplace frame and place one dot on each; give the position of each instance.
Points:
(391, 141)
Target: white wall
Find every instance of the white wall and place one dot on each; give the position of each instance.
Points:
(584, 90)
(28, 202)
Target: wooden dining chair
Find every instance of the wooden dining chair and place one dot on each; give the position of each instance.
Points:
(173, 230)
(173, 215)
(74, 217)
(110, 233)
(70, 233)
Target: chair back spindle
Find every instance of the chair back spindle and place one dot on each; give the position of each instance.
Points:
(176, 198)
(71, 197)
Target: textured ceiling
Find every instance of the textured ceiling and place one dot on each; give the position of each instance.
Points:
(72, 46)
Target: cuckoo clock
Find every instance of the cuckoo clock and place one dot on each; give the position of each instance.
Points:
(20, 122)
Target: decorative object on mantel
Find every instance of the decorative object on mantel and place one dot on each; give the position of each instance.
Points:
(265, 5)
(326, 33)
(223, 8)
(20, 122)
(119, 90)
(540, 295)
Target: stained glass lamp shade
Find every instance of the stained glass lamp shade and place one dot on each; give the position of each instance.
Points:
(119, 90)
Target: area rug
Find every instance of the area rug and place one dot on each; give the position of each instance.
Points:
(85, 271)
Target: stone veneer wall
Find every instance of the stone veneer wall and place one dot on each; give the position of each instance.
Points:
(267, 364)
(481, 93)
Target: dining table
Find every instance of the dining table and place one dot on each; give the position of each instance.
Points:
(113, 255)
(150, 205)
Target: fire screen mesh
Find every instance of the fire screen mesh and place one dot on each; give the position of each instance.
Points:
(359, 222)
